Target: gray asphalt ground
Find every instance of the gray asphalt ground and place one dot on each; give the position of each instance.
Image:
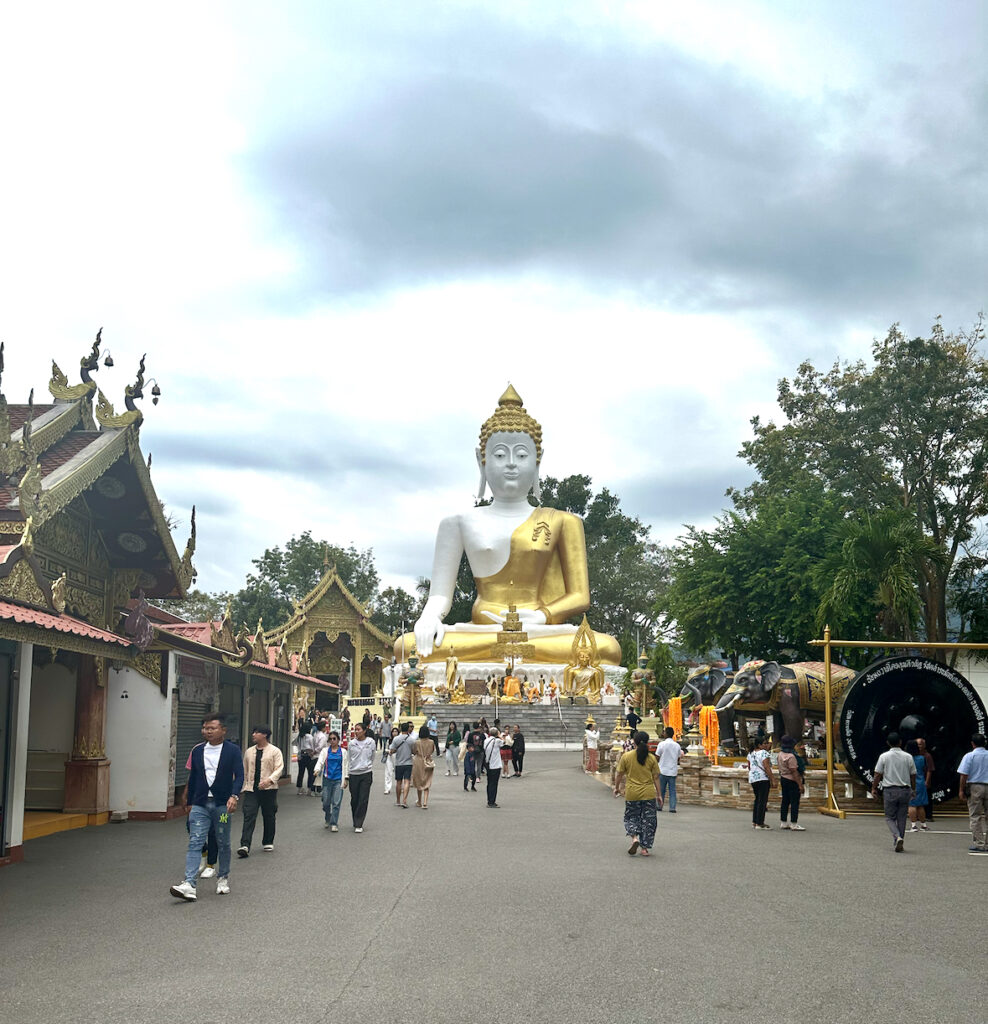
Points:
(533, 912)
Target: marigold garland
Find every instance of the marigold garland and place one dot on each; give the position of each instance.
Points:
(710, 730)
(676, 715)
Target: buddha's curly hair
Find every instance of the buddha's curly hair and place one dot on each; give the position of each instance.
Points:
(511, 417)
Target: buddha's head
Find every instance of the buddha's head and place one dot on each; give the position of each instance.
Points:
(510, 450)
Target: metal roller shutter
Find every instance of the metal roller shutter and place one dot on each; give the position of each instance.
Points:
(190, 716)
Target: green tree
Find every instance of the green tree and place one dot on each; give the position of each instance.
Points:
(880, 555)
(908, 432)
(199, 606)
(751, 585)
(283, 576)
(393, 607)
(628, 571)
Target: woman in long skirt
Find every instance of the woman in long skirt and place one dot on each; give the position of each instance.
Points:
(638, 778)
(423, 766)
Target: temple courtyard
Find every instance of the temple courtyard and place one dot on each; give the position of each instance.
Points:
(531, 912)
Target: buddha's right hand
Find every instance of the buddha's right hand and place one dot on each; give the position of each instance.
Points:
(429, 633)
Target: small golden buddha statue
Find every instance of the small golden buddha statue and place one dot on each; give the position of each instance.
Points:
(533, 558)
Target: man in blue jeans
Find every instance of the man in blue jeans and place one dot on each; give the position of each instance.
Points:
(332, 773)
(669, 753)
(216, 777)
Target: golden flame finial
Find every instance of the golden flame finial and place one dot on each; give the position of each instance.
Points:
(511, 417)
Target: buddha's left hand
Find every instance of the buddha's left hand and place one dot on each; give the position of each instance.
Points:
(530, 615)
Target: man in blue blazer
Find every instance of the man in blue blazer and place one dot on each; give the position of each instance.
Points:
(216, 777)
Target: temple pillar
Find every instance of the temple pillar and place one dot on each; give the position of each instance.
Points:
(356, 674)
(87, 773)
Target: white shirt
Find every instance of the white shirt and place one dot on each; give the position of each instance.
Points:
(897, 767)
(592, 739)
(669, 752)
(210, 762)
(492, 751)
(361, 755)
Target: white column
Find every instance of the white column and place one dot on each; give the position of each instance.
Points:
(19, 730)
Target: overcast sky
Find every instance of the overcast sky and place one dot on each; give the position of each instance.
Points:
(339, 229)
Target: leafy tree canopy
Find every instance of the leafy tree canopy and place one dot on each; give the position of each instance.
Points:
(910, 432)
(628, 571)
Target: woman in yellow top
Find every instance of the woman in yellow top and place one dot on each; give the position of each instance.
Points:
(638, 777)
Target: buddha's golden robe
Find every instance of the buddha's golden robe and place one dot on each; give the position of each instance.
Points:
(546, 570)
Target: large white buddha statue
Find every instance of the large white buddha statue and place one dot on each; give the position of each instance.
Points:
(532, 558)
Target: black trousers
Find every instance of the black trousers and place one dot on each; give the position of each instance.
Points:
(360, 787)
(306, 763)
(493, 778)
(517, 760)
(265, 801)
(760, 805)
(790, 800)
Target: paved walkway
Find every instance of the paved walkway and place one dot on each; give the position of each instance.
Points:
(533, 912)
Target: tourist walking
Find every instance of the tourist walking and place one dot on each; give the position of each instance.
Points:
(333, 769)
(361, 774)
(638, 779)
(592, 737)
(263, 765)
(306, 760)
(895, 775)
(930, 769)
(669, 754)
(517, 751)
(386, 732)
(423, 766)
(917, 805)
(761, 779)
(791, 786)
(453, 750)
(211, 795)
(470, 758)
(320, 741)
(973, 772)
(389, 762)
(477, 736)
(401, 750)
(492, 761)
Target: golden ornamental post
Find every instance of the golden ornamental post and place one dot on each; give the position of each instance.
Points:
(831, 807)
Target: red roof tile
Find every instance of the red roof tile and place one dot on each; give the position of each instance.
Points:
(18, 414)
(59, 624)
(65, 448)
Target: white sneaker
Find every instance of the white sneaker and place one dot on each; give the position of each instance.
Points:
(797, 828)
(358, 830)
(223, 886)
(209, 871)
(914, 828)
(267, 847)
(184, 891)
(203, 864)
(333, 828)
(784, 824)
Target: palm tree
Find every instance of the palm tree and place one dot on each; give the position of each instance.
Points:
(881, 557)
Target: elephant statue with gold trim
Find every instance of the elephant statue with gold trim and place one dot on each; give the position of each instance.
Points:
(789, 693)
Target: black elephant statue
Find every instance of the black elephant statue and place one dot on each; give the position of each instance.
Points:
(786, 692)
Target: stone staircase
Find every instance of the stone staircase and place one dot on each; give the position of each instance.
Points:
(542, 725)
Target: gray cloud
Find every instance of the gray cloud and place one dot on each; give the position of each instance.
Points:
(632, 166)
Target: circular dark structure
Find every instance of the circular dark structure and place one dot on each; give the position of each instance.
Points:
(915, 697)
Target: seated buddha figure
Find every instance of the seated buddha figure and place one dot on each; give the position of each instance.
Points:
(534, 558)
(583, 679)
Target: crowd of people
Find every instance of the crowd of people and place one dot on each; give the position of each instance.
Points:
(222, 778)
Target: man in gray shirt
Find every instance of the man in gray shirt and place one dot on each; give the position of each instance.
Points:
(896, 774)
(401, 748)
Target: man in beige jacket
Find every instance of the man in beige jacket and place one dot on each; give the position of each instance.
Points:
(263, 766)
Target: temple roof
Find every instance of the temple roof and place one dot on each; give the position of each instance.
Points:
(208, 637)
(330, 581)
(52, 455)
